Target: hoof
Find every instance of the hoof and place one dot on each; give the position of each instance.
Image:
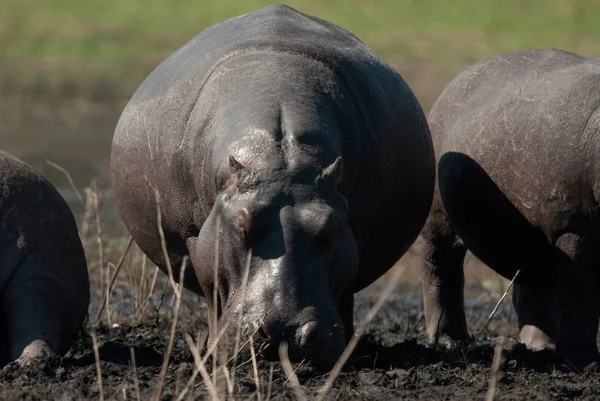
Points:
(36, 352)
(448, 342)
(535, 339)
(37, 359)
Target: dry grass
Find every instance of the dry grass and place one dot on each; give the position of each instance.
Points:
(485, 326)
(98, 367)
(105, 296)
(360, 329)
(136, 382)
(496, 361)
(133, 271)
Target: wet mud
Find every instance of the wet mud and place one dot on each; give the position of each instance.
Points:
(392, 361)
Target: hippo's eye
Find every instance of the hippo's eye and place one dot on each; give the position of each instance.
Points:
(242, 223)
(327, 232)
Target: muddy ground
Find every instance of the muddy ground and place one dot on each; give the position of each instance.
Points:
(391, 361)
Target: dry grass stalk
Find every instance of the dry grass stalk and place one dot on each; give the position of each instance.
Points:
(236, 348)
(295, 370)
(270, 383)
(436, 340)
(87, 216)
(215, 294)
(362, 326)
(177, 289)
(69, 178)
(98, 368)
(105, 296)
(255, 370)
(289, 372)
(192, 379)
(147, 294)
(136, 382)
(215, 342)
(229, 382)
(491, 392)
(201, 367)
(160, 302)
(487, 322)
(143, 281)
(99, 240)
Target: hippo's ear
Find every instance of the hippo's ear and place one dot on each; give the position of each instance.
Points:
(333, 172)
(235, 167)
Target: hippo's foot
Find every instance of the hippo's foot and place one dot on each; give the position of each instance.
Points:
(535, 339)
(37, 358)
(35, 352)
(448, 342)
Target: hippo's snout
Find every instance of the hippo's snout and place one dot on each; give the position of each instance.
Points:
(308, 336)
(311, 341)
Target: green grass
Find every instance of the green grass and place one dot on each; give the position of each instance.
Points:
(121, 40)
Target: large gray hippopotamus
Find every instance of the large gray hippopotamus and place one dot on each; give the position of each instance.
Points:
(518, 149)
(282, 134)
(44, 286)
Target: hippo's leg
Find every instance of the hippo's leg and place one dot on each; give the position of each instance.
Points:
(347, 315)
(579, 299)
(536, 306)
(442, 280)
(32, 306)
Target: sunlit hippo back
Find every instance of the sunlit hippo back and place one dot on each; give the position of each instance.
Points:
(288, 155)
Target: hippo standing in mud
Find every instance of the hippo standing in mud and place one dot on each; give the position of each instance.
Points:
(44, 286)
(518, 145)
(284, 135)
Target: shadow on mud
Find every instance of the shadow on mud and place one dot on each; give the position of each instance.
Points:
(368, 355)
(119, 354)
(412, 353)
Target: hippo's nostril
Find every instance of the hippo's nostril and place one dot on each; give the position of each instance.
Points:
(308, 335)
(263, 332)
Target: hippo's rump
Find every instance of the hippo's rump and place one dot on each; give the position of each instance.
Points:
(35, 221)
(526, 118)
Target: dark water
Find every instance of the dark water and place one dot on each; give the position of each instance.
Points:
(76, 134)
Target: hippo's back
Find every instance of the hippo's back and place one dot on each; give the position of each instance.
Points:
(515, 94)
(527, 118)
(274, 28)
(36, 221)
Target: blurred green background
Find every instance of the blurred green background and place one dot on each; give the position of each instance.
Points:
(70, 47)
(67, 67)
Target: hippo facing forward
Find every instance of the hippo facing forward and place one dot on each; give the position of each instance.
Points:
(44, 287)
(283, 134)
(516, 137)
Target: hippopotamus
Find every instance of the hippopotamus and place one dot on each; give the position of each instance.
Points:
(280, 145)
(44, 285)
(518, 185)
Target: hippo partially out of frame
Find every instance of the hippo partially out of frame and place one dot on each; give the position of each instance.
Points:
(517, 138)
(281, 134)
(44, 285)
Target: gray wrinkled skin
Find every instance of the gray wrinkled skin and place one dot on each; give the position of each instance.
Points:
(516, 137)
(44, 286)
(281, 133)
